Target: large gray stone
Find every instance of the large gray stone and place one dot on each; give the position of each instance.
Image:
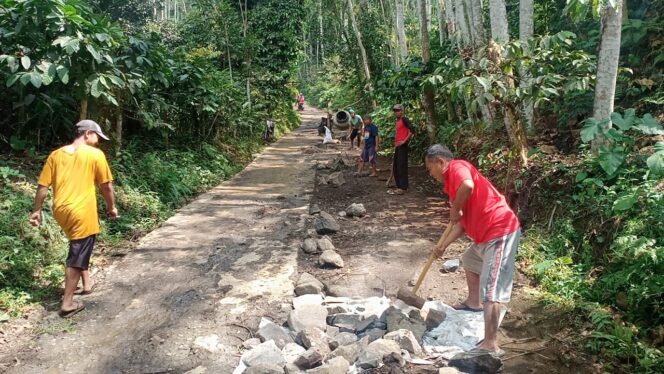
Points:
(336, 179)
(264, 369)
(337, 365)
(448, 370)
(314, 209)
(307, 316)
(324, 244)
(308, 299)
(373, 355)
(356, 210)
(308, 284)
(330, 259)
(350, 322)
(350, 351)
(309, 246)
(434, 318)
(314, 338)
(309, 359)
(480, 363)
(292, 369)
(324, 223)
(343, 338)
(292, 351)
(397, 320)
(374, 334)
(450, 266)
(264, 353)
(272, 331)
(406, 340)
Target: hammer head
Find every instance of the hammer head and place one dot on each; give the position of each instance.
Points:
(410, 298)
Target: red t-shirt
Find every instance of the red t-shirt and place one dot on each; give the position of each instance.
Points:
(486, 215)
(402, 131)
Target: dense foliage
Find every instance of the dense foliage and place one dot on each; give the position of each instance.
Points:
(183, 93)
(589, 191)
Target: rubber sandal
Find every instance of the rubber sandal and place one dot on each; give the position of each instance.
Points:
(481, 351)
(82, 292)
(464, 307)
(70, 313)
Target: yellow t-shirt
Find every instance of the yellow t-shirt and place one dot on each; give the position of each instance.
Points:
(73, 177)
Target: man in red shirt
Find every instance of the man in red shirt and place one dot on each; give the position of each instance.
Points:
(481, 212)
(403, 135)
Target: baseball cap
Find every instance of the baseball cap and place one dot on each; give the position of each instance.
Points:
(351, 110)
(90, 125)
(397, 107)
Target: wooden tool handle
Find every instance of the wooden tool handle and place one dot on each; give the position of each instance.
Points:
(432, 258)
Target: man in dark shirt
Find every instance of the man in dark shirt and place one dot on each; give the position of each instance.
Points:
(371, 146)
(403, 135)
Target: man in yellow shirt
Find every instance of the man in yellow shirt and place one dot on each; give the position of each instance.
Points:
(74, 170)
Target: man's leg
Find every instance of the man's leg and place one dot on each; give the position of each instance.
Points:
(361, 169)
(72, 275)
(496, 283)
(400, 159)
(491, 321)
(473, 299)
(87, 280)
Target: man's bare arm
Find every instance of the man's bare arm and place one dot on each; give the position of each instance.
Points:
(40, 196)
(109, 196)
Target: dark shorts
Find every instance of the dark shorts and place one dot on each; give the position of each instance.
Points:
(354, 134)
(369, 154)
(80, 251)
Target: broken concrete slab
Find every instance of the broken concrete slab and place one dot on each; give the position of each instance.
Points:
(271, 331)
(330, 259)
(406, 340)
(324, 224)
(308, 284)
(264, 353)
(480, 363)
(309, 246)
(307, 316)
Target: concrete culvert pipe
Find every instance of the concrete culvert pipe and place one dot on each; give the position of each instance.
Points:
(342, 120)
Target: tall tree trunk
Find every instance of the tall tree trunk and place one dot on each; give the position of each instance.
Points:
(390, 32)
(440, 16)
(247, 52)
(83, 109)
(526, 27)
(320, 30)
(428, 14)
(428, 97)
(460, 15)
(401, 31)
(607, 66)
(363, 52)
(498, 17)
(476, 17)
(449, 16)
(118, 128)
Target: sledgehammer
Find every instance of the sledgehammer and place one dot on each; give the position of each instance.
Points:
(410, 297)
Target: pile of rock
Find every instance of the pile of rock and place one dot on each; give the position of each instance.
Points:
(325, 334)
